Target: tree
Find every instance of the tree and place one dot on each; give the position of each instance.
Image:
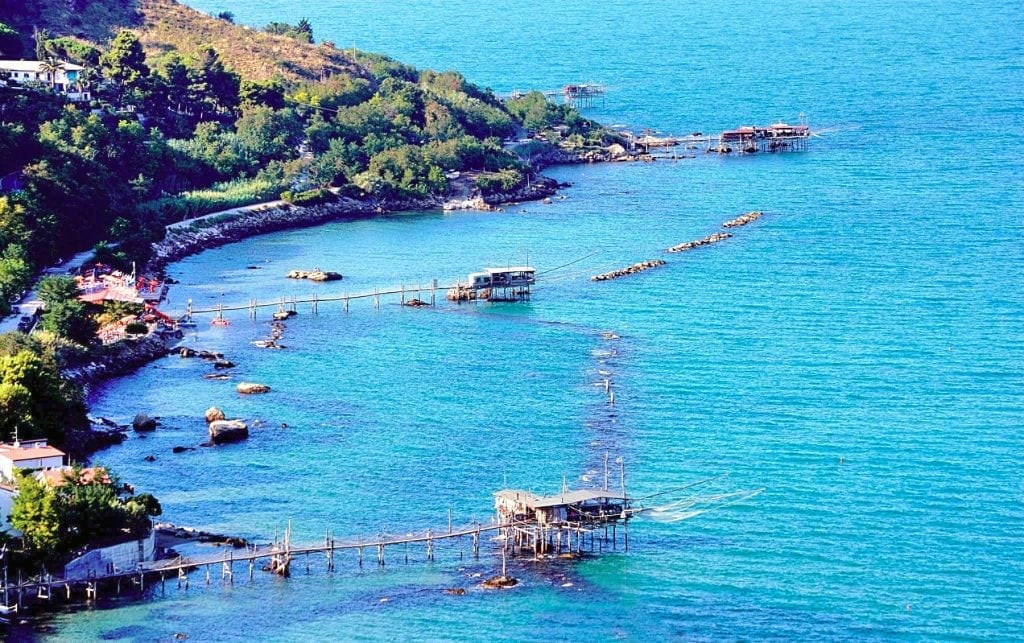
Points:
(125, 64)
(226, 16)
(70, 319)
(35, 514)
(15, 275)
(10, 42)
(52, 405)
(50, 67)
(55, 290)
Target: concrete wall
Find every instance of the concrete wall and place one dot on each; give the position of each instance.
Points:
(6, 504)
(123, 556)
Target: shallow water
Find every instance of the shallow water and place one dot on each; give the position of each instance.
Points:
(856, 351)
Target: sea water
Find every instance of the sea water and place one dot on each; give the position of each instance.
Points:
(857, 351)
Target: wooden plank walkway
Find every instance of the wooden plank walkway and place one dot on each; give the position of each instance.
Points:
(314, 300)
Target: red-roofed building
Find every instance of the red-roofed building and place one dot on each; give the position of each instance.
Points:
(29, 455)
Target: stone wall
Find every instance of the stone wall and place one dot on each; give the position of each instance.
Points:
(122, 556)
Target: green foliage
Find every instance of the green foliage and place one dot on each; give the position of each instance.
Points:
(73, 49)
(35, 514)
(226, 16)
(221, 196)
(116, 310)
(500, 181)
(10, 42)
(15, 275)
(34, 401)
(70, 320)
(56, 290)
(125, 64)
(136, 328)
(308, 197)
(56, 520)
(401, 172)
(303, 31)
(536, 112)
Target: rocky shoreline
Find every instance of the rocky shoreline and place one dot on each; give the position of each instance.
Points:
(262, 219)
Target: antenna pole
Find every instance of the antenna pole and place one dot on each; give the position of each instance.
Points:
(623, 476)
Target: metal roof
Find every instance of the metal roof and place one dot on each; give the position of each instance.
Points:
(510, 269)
(34, 65)
(533, 501)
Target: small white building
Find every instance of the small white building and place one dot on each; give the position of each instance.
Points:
(65, 79)
(29, 455)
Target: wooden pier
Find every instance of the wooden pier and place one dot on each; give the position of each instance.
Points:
(579, 95)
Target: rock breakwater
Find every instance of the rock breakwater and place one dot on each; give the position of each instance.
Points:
(706, 241)
(630, 270)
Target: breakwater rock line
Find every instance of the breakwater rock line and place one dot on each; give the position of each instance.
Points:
(706, 241)
(183, 242)
(122, 358)
(743, 219)
(631, 270)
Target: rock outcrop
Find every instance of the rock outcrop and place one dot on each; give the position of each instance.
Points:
(250, 388)
(225, 431)
(213, 414)
(143, 422)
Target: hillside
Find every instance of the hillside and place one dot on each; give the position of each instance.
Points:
(164, 25)
(253, 54)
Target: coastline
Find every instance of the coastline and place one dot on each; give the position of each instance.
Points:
(211, 231)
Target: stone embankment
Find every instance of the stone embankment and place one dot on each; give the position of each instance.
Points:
(182, 242)
(121, 358)
(743, 219)
(631, 270)
(538, 188)
(706, 241)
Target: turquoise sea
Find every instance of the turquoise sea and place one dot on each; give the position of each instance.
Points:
(858, 352)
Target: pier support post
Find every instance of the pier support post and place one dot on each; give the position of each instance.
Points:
(433, 291)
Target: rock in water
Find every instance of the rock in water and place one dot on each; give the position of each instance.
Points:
(248, 388)
(143, 422)
(224, 431)
(213, 414)
(324, 275)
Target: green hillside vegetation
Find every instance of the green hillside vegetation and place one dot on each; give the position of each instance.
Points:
(193, 114)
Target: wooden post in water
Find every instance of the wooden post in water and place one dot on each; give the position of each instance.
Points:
(433, 291)
(403, 294)
(376, 299)
(346, 302)
(449, 521)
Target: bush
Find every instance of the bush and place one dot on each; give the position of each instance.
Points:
(501, 181)
(222, 196)
(136, 328)
(308, 197)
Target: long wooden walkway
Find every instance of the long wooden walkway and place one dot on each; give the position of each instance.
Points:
(47, 588)
(315, 300)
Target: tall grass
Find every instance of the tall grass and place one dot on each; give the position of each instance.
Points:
(221, 196)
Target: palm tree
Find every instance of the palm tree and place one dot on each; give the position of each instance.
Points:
(51, 67)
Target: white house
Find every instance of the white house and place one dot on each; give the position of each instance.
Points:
(30, 454)
(65, 79)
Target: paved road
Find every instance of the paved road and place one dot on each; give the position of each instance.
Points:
(30, 302)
